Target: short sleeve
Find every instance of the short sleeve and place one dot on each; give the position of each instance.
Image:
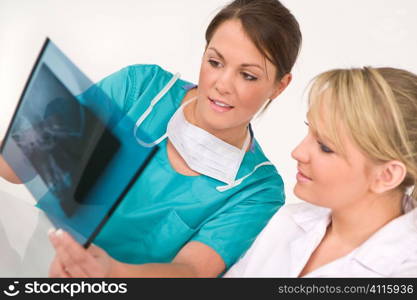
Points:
(232, 232)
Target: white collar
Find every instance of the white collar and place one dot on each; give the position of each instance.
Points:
(398, 238)
(399, 241)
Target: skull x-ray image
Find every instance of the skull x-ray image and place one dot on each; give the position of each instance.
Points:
(72, 146)
(60, 138)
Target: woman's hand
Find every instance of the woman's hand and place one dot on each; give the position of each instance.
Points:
(195, 259)
(72, 260)
(7, 172)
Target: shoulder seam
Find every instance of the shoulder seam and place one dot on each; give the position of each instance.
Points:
(132, 91)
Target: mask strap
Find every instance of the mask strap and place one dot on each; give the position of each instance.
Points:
(243, 152)
(224, 188)
(255, 118)
(149, 110)
(188, 101)
(246, 143)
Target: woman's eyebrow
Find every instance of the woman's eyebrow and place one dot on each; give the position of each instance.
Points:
(243, 65)
(217, 52)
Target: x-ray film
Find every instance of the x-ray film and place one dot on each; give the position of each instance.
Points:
(72, 147)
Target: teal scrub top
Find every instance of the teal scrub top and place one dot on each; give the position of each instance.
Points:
(164, 210)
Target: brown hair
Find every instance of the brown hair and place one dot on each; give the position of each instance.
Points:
(270, 26)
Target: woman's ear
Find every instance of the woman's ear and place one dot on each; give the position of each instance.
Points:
(388, 176)
(281, 85)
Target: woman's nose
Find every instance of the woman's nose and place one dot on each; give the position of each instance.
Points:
(224, 83)
(300, 153)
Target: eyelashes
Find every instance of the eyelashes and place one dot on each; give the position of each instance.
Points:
(322, 146)
(249, 77)
(214, 63)
(246, 76)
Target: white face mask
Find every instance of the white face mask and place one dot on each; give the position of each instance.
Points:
(204, 152)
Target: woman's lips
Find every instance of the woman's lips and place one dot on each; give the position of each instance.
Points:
(219, 106)
(302, 178)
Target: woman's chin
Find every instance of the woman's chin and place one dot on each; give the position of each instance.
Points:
(300, 193)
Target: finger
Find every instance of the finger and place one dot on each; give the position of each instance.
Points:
(56, 270)
(93, 261)
(73, 257)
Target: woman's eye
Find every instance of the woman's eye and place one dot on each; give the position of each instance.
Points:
(249, 77)
(324, 148)
(214, 63)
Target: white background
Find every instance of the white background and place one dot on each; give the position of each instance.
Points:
(102, 36)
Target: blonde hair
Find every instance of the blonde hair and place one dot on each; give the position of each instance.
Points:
(377, 107)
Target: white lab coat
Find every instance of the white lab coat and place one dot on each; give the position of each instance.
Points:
(283, 248)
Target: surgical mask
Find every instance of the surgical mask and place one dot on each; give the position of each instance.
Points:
(202, 151)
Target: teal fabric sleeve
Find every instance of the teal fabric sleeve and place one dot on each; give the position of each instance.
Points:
(232, 232)
(114, 95)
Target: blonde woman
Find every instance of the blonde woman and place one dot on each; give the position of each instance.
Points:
(356, 170)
